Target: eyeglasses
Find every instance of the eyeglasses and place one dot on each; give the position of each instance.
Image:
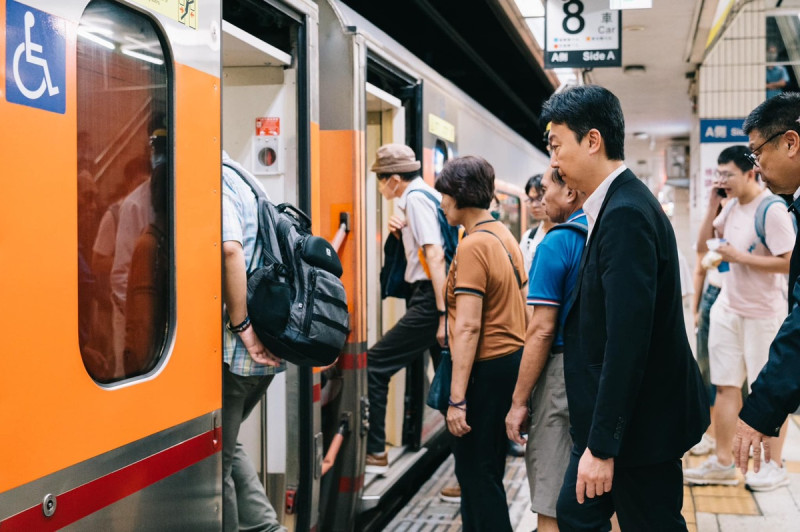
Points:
(723, 176)
(533, 201)
(756, 153)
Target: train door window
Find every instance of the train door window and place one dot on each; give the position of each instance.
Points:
(441, 154)
(124, 181)
(508, 209)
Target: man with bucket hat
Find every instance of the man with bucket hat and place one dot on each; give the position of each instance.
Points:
(422, 326)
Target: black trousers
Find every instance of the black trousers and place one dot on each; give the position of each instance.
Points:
(645, 498)
(481, 453)
(401, 345)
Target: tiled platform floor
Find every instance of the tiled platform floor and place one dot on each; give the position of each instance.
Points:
(706, 508)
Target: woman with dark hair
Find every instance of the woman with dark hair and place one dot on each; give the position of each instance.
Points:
(486, 323)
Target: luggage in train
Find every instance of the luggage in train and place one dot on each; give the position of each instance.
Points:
(296, 302)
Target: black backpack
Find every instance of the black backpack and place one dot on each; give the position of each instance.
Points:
(296, 302)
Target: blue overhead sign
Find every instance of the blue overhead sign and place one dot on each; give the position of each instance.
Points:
(36, 56)
(722, 130)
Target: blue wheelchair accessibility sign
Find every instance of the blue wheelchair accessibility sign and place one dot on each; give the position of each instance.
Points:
(36, 56)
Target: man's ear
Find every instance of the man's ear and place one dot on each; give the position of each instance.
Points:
(595, 140)
(793, 143)
(572, 195)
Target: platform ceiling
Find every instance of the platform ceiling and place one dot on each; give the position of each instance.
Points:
(473, 44)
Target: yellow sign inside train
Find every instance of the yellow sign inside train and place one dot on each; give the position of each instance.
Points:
(441, 128)
(184, 11)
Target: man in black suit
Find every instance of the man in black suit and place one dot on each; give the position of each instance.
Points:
(774, 131)
(636, 398)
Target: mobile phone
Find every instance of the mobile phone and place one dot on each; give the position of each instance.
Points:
(721, 193)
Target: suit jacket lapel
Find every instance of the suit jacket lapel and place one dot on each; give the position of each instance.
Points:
(623, 178)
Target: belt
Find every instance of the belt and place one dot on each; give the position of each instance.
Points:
(419, 284)
(557, 350)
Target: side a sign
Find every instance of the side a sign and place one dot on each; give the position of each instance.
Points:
(582, 34)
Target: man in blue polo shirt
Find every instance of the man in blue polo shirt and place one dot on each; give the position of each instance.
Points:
(552, 278)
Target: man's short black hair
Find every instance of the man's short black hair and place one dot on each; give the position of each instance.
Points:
(775, 115)
(469, 180)
(405, 176)
(536, 183)
(588, 107)
(736, 155)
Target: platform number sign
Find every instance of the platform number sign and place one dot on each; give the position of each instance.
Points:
(582, 34)
(35, 58)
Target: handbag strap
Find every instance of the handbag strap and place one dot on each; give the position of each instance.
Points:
(510, 260)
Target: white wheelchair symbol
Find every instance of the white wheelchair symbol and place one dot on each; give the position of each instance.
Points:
(29, 48)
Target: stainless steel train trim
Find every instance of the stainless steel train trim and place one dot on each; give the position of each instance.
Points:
(25, 497)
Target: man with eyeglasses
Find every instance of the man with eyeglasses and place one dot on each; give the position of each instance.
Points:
(774, 131)
(748, 311)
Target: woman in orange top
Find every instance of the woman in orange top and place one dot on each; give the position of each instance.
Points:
(486, 321)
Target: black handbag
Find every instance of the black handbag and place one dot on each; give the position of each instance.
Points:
(393, 283)
(439, 392)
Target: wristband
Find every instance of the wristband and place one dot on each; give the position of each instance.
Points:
(441, 312)
(461, 405)
(239, 328)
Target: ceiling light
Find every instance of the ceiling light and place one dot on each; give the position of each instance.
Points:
(641, 135)
(530, 8)
(88, 35)
(143, 57)
(633, 27)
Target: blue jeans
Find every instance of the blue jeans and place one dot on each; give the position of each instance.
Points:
(709, 296)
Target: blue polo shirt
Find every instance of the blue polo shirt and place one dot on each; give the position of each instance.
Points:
(554, 271)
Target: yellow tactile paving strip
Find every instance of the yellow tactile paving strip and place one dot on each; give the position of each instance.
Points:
(715, 499)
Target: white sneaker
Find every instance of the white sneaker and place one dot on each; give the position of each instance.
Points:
(706, 445)
(711, 472)
(769, 477)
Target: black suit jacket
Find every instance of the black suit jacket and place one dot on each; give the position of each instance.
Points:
(634, 389)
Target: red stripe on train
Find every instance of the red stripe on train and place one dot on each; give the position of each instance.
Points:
(84, 500)
(350, 361)
(350, 484)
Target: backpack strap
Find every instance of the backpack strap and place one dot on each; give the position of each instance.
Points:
(428, 194)
(761, 220)
(532, 233)
(575, 226)
(265, 219)
(516, 272)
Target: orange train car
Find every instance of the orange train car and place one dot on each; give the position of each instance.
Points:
(110, 381)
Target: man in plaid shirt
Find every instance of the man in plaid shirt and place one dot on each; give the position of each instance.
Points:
(248, 366)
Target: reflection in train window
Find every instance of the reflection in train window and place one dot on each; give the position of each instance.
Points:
(441, 154)
(124, 193)
(508, 210)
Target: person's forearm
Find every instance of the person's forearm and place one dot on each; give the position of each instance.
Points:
(438, 279)
(706, 231)
(234, 282)
(699, 281)
(463, 352)
(534, 357)
(767, 264)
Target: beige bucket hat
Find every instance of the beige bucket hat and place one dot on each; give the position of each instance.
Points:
(395, 159)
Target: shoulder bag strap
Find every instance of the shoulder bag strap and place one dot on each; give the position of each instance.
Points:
(516, 272)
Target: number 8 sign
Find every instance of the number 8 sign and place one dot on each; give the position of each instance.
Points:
(582, 34)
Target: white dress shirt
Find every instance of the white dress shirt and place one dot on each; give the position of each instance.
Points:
(594, 202)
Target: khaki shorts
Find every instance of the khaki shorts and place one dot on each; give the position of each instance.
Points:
(738, 347)
(549, 442)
